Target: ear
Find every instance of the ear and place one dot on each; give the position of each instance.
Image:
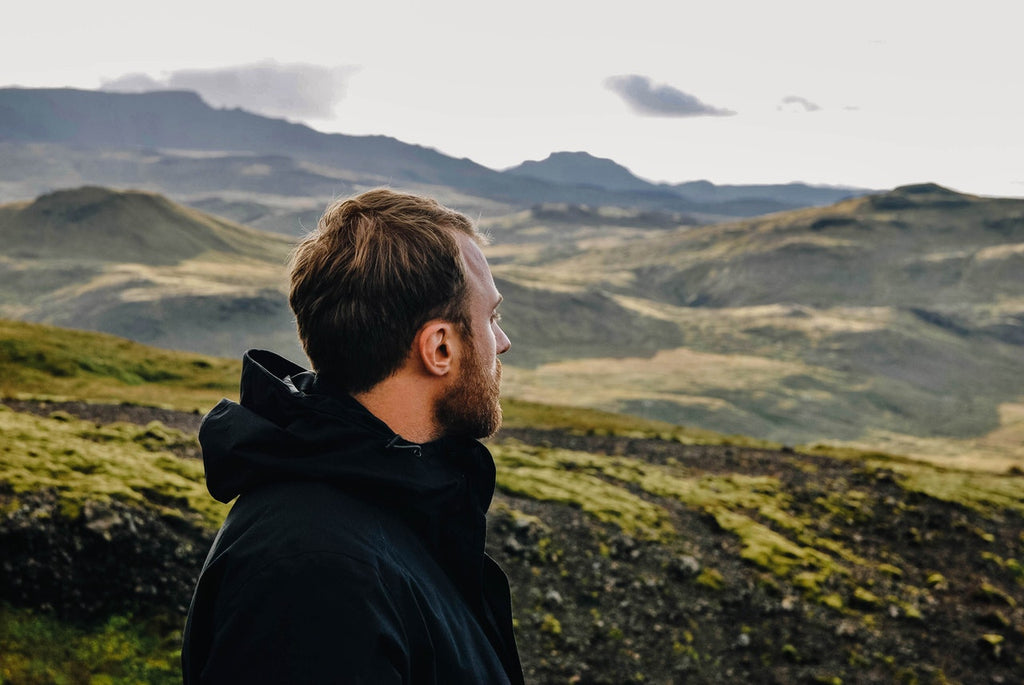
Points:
(436, 346)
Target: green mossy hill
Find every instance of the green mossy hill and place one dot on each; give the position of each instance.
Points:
(124, 226)
(44, 361)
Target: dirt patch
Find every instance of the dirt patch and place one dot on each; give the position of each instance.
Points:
(111, 413)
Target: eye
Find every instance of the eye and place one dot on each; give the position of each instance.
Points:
(495, 317)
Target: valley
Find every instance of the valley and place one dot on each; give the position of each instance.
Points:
(889, 321)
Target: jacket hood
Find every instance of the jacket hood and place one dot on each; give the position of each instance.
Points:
(290, 424)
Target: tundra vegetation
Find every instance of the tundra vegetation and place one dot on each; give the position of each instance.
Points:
(638, 551)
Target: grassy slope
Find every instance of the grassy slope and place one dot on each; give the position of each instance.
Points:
(39, 361)
(868, 544)
(88, 467)
(868, 376)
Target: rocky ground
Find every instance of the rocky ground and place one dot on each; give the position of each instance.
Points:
(940, 597)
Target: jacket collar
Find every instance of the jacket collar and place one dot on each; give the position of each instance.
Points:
(290, 424)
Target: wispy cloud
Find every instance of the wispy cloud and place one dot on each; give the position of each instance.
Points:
(660, 100)
(288, 90)
(795, 103)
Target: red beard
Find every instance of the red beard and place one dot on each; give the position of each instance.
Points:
(470, 405)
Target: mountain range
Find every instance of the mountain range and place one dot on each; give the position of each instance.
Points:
(583, 169)
(174, 143)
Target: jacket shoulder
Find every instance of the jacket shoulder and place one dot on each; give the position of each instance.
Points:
(303, 518)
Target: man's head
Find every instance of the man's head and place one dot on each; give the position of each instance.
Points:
(379, 268)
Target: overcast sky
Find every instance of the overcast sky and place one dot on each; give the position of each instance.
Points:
(869, 93)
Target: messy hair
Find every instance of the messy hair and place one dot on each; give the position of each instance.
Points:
(377, 267)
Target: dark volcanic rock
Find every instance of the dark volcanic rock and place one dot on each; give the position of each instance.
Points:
(107, 558)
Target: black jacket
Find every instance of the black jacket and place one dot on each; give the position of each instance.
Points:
(351, 555)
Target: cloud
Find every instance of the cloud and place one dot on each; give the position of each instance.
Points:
(661, 100)
(133, 83)
(289, 90)
(795, 103)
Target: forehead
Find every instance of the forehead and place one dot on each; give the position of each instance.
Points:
(477, 269)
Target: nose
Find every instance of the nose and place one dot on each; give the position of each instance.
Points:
(502, 341)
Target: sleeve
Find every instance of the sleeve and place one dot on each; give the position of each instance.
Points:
(311, 618)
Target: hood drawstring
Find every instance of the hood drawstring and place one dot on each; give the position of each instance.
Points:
(416, 450)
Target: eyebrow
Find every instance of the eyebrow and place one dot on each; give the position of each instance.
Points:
(501, 299)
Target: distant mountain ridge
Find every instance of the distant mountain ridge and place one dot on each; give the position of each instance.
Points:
(167, 121)
(180, 120)
(796, 194)
(584, 169)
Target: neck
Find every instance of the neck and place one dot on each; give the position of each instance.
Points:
(405, 406)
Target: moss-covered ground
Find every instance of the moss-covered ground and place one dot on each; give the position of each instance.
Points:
(39, 361)
(84, 462)
(637, 551)
(738, 564)
(121, 650)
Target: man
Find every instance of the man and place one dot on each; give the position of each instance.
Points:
(355, 550)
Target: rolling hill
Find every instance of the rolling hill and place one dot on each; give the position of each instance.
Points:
(138, 265)
(893, 320)
(897, 313)
(102, 225)
(916, 246)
